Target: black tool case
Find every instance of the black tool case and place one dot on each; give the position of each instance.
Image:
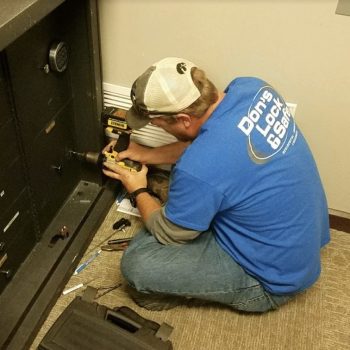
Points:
(88, 325)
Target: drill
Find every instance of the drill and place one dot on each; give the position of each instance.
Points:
(110, 156)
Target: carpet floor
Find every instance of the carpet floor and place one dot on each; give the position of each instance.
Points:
(317, 319)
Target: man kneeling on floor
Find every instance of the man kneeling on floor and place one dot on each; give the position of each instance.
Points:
(246, 214)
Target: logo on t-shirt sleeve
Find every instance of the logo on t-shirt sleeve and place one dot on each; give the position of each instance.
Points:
(268, 125)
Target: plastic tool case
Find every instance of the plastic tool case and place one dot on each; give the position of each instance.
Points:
(88, 325)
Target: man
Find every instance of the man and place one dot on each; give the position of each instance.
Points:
(246, 214)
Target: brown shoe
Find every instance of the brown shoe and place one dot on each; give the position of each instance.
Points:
(159, 302)
(155, 302)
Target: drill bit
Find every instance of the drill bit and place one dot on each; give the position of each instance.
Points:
(88, 157)
(77, 155)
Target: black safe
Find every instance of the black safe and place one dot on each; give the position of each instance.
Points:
(50, 205)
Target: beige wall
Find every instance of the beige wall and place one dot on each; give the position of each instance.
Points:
(300, 46)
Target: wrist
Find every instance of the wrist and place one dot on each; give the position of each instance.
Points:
(133, 195)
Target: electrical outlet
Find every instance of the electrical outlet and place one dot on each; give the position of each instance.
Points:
(292, 107)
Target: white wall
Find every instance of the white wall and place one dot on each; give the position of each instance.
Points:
(301, 47)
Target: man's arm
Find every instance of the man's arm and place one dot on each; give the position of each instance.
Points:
(162, 229)
(167, 232)
(133, 181)
(150, 209)
(146, 204)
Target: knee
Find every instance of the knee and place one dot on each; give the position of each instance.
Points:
(137, 269)
(130, 266)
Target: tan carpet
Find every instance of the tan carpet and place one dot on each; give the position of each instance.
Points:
(316, 319)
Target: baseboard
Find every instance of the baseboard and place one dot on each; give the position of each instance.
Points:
(339, 220)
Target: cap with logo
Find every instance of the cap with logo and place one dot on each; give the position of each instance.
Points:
(165, 88)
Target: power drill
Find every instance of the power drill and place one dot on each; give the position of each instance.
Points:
(111, 155)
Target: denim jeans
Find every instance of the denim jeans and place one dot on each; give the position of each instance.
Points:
(200, 269)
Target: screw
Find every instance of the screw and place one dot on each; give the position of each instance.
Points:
(57, 168)
(46, 68)
(7, 273)
(64, 233)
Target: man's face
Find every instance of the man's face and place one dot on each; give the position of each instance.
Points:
(174, 127)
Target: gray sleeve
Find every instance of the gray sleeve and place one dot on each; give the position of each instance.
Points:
(166, 232)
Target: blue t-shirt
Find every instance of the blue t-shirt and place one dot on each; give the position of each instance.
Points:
(251, 178)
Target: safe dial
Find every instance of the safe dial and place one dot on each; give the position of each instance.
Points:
(58, 56)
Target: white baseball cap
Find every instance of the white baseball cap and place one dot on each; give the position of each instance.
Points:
(165, 88)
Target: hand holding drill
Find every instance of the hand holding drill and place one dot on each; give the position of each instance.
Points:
(110, 155)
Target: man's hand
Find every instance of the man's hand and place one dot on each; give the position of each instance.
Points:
(132, 181)
(108, 147)
(167, 154)
(135, 152)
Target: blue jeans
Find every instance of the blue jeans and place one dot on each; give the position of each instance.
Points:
(200, 269)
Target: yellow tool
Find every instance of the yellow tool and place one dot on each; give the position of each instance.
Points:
(111, 155)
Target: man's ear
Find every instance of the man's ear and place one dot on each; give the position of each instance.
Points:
(185, 119)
